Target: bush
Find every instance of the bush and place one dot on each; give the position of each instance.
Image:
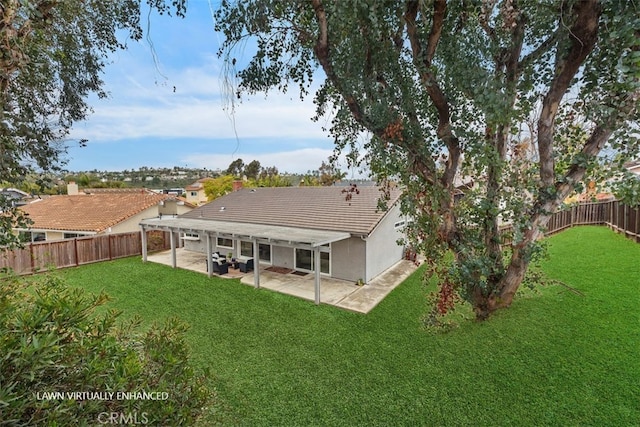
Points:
(61, 363)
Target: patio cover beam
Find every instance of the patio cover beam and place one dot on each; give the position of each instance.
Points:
(316, 270)
(143, 235)
(284, 236)
(256, 264)
(209, 257)
(172, 240)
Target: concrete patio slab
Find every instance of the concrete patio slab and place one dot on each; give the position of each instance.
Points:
(339, 293)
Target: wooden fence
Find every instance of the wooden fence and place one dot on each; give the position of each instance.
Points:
(40, 256)
(617, 216)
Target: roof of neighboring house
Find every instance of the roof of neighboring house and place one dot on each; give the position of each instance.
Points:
(13, 192)
(90, 212)
(320, 208)
(118, 190)
(198, 185)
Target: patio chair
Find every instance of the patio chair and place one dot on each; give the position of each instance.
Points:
(219, 266)
(246, 266)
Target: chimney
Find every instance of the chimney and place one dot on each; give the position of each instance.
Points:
(72, 188)
(237, 185)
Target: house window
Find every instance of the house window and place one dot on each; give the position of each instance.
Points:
(304, 260)
(224, 243)
(399, 225)
(71, 235)
(32, 236)
(246, 249)
(264, 251)
(194, 194)
(191, 236)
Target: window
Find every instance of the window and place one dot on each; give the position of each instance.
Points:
(304, 260)
(71, 235)
(264, 251)
(32, 236)
(194, 194)
(399, 225)
(224, 243)
(246, 249)
(191, 236)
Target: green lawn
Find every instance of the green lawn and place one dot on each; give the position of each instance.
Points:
(554, 358)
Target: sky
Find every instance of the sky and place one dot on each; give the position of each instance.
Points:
(173, 111)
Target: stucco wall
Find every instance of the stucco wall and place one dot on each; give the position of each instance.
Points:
(201, 245)
(133, 223)
(282, 256)
(382, 249)
(348, 259)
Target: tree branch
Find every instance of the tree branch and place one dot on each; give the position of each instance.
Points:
(539, 51)
(582, 39)
(437, 96)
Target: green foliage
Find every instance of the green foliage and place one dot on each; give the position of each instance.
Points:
(235, 168)
(52, 54)
(252, 169)
(222, 185)
(508, 102)
(218, 187)
(52, 340)
(271, 181)
(627, 189)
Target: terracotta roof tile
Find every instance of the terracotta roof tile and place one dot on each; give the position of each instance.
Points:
(89, 212)
(322, 208)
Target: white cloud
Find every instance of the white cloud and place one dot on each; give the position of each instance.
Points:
(152, 111)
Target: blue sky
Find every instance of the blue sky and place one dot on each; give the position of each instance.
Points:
(146, 122)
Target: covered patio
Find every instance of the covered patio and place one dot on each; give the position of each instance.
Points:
(339, 293)
(316, 241)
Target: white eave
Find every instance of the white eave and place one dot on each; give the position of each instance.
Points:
(237, 230)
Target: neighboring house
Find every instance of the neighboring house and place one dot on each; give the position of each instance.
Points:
(195, 192)
(291, 227)
(105, 211)
(17, 197)
(633, 167)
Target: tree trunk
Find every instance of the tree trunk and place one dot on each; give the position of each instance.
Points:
(506, 288)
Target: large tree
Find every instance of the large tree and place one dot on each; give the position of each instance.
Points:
(518, 97)
(52, 53)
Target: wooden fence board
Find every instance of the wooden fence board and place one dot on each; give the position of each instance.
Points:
(40, 256)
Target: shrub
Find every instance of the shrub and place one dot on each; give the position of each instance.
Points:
(54, 346)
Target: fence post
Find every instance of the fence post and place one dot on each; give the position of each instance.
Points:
(626, 219)
(637, 230)
(109, 243)
(33, 261)
(75, 245)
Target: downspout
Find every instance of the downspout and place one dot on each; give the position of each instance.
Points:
(364, 239)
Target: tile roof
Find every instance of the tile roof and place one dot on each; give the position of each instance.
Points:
(117, 190)
(89, 212)
(321, 208)
(198, 185)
